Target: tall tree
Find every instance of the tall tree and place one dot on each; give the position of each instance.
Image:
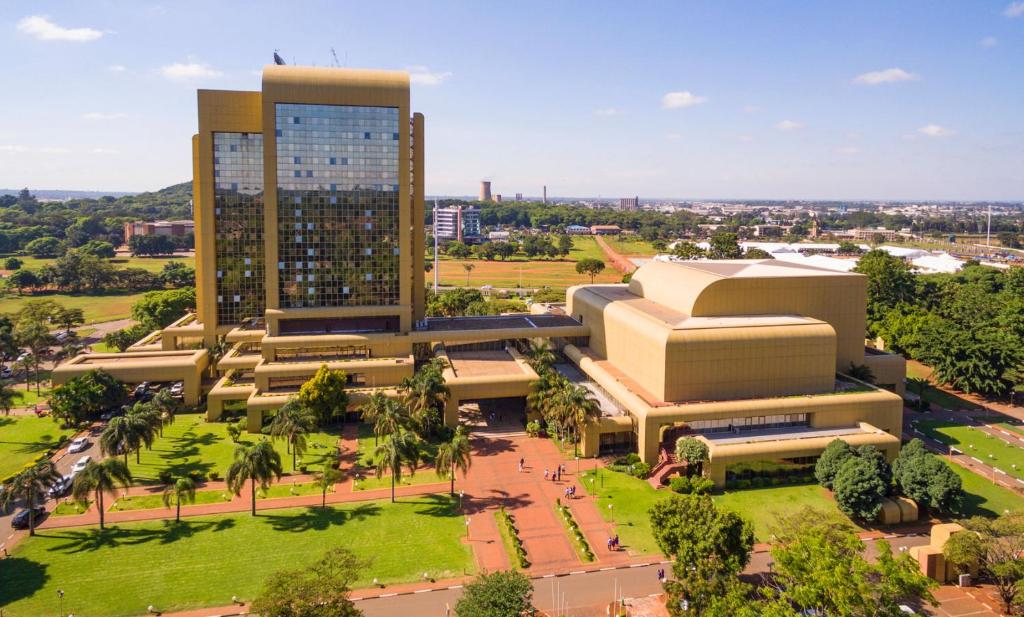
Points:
(259, 464)
(325, 479)
(590, 267)
(292, 422)
(324, 394)
(724, 245)
(7, 397)
(320, 590)
(385, 415)
(507, 593)
(401, 449)
(183, 490)
(425, 395)
(99, 479)
(890, 282)
(456, 453)
(693, 452)
(29, 485)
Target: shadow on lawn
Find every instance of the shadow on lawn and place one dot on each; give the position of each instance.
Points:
(94, 539)
(6, 421)
(315, 518)
(21, 578)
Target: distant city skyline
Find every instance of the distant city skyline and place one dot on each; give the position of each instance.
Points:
(773, 100)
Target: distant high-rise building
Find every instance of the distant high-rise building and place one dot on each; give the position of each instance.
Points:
(460, 223)
(485, 190)
(519, 196)
(629, 203)
(545, 193)
(497, 197)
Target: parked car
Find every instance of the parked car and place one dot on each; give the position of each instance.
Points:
(62, 336)
(178, 389)
(20, 520)
(6, 372)
(22, 356)
(60, 487)
(77, 445)
(80, 465)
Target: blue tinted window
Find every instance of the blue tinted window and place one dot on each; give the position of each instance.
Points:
(298, 160)
(394, 136)
(334, 161)
(277, 132)
(309, 173)
(298, 174)
(366, 135)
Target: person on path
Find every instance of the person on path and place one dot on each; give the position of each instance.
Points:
(609, 545)
(545, 473)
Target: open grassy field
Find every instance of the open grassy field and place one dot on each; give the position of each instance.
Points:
(97, 307)
(630, 246)
(192, 444)
(204, 561)
(152, 264)
(367, 479)
(23, 438)
(973, 442)
(520, 271)
(631, 499)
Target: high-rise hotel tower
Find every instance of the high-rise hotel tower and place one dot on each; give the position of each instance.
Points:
(306, 194)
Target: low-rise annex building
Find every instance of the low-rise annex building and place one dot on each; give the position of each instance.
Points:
(309, 252)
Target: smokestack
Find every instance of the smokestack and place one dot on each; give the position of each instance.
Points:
(485, 190)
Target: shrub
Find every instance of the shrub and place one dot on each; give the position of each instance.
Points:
(681, 485)
(214, 476)
(640, 470)
(533, 428)
(196, 475)
(742, 484)
(165, 476)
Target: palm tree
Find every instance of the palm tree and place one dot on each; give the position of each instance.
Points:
(99, 479)
(389, 419)
(325, 479)
(7, 398)
(578, 406)
(166, 406)
(401, 448)
(146, 424)
(541, 356)
(259, 463)
(182, 490)
(118, 437)
(917, 385)
(424, 394)
(862, 372)
(541, 397)
(468, 267)
(371, 410)
(216, 351)
(293, 422)
(452, 454)
(29, 485)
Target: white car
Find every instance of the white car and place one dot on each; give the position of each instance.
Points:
(6, 372)
(77, 445)
(178, 389)
(80, 465)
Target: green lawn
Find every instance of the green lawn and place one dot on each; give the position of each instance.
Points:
(983, 497)
(631, 499)
(1013, 428)
(586, 247)
(96, 307)
(934, 395)
(23, 438)
(28, 398)
(70, 508)
(148, 502)
(974, 442)
(192, 444)
(152, 264)
(205, 561)
(365, 458)
(367, 445)
(631, 247)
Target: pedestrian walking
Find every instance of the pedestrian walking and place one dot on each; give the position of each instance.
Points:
(609, 544)
(545, 473)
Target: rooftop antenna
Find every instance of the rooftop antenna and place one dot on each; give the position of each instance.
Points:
(335, 56)
(278, 60)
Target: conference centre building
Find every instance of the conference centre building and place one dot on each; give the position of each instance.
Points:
(309, 216)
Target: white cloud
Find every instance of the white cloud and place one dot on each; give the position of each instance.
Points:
(934, 130)
(749, 109)
(191, 70)
(850, 150)
(39, 149)
(989, 41)
(40, 27)
(885, 76)
(1014, 9)
(677, 100)
(673, 136)
(104, 151)
(117, 68)
(789, 125)
(423, 76)
(99, 115)
(607, 111)
(13, 148)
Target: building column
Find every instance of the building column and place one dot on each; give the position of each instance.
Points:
(648, 441)
(214, 409)
(716, 471)
(451, 412)
(254, 420)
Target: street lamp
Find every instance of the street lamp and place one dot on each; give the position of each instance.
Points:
(461, 495)
(577, 465)
(467, 529)
(60, 596)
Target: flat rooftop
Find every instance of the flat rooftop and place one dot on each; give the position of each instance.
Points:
(483, 363)
(499, 322)
(609, 406)
(778, 434)
(757, 268)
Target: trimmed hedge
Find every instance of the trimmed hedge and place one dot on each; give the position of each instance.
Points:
(574, 530)
(509, 524)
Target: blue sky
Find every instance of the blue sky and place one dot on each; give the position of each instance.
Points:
(758, 99)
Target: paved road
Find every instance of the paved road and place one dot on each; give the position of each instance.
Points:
(582, 594)
(64, 463)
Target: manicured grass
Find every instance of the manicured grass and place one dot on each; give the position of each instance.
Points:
(983, 497)
(152, 264)
(974, 442)
(192, 444)
(96, 307)
(102, 347)
(30, 397)
(204, 561)
(423, 476)
(934, 395)
(23, 438)
(631, 500)
(148, 502)
(1013, 428)
(286, 488)
(70, 508)
(633, 247)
